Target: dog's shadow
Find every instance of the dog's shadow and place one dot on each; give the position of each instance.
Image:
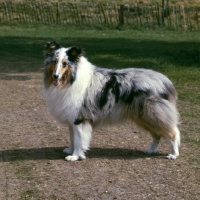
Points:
(56, 153)
(119, 153)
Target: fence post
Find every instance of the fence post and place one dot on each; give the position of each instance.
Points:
(121, 15)
(57, 13)
(163, 9)
(158, 13)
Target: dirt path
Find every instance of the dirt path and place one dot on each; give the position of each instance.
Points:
(32, 164)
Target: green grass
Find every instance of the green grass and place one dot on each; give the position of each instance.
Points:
(176, 54)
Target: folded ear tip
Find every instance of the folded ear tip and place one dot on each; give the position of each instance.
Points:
(52, 45)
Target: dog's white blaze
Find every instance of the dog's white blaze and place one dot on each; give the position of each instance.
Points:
(61, 55)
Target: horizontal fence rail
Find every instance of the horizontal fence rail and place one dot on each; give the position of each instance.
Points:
(93, 14)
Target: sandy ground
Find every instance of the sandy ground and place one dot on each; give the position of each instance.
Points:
(32, 164)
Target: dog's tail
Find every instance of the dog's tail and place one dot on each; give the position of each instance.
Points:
(160, 114)
(171, 92)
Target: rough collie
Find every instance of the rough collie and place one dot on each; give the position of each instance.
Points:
(84, 96)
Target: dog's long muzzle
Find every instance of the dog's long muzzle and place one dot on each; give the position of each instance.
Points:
(56, 80)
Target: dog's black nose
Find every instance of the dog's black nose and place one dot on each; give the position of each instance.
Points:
(55, 76)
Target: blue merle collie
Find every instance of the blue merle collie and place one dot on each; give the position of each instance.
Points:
(84, 96)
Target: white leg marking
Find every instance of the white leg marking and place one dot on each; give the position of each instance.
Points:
(86, 136)
(175, 145)
(71, 148)
(81, 141)
(154, 146)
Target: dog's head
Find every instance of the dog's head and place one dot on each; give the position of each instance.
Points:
(61, 64)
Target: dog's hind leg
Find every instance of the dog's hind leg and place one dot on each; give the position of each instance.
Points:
(160, 116)
(156, 138)
(71, 148)
(81, 141)
(154, 146)
(174, 139)
(87, 135)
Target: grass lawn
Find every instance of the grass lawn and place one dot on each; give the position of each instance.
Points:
(32, 165)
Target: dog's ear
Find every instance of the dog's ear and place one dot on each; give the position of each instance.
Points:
(74, 53)
(51, 46)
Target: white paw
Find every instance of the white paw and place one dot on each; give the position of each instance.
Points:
(71, 158)
(149, 151)
(74, 158)
(82, 157)
(171, 157)
(68, 150)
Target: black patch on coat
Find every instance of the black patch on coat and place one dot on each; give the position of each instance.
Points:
(73, 75)
(141, 107)
(129, 95)
(112, 85)
(72, 79)
(164, 96)
(78, 121)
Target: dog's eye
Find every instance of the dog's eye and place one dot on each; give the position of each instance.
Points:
(64, 64)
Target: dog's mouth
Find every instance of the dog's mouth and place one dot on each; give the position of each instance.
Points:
(56, 82)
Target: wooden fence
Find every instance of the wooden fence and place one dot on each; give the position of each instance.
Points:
(91, 14)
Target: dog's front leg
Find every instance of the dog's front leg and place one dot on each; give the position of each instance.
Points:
(77, 140)
(71, 148)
